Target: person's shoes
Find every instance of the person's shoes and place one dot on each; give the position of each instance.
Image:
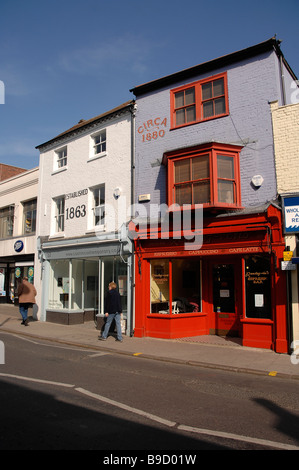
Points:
(102, 339)
(26, 322)
(120, 340)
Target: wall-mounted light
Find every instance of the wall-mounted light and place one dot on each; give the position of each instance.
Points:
(257, 181)
(117, 193)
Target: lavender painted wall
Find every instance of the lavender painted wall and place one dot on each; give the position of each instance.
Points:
(252, 85)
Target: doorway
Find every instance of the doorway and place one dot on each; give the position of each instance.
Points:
(225, 297)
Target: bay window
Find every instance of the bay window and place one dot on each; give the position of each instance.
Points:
(208, 175)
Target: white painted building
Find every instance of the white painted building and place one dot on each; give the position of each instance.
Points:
(84, 204)
(18, 206)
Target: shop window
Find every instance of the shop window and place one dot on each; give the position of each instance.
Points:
(76, 276)
(29, 216)
(207, 175)
(199, 101)
(91, 284)
(6, 221)
(59, 288)
(77, 284)
(160, 286)
(115, 270)
(182, 293)
(258, 287)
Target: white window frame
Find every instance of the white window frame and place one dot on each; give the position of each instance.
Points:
(60, 159)
(59, 214)
(98, 192)
(94, 153)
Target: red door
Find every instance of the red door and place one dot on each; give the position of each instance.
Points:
(225, 297)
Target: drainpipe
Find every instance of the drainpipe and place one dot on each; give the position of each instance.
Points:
(132, 266)
(282, 81)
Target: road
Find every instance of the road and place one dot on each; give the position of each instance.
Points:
(55, 397)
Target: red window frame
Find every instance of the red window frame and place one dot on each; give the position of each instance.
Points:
(201, 99)
(213, 150)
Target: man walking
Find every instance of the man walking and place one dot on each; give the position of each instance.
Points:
(113, 310)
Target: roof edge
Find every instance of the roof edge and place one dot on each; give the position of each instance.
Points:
(270, 44)
(85, 123)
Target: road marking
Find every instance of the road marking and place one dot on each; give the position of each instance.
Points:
(98, 354)
(30, 379)
(158, 419)
(236, 437)
(69, 348)
(166, 422)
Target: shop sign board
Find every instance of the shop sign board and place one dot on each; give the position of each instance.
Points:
(291, 214)
(288, 266)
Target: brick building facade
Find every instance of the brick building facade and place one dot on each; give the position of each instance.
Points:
(204, 140)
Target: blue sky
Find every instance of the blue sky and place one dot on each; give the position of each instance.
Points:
(62, 61)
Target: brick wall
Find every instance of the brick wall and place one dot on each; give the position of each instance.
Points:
(252, 85)
(286, 140)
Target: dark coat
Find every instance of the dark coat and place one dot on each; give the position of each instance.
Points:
(113, 302)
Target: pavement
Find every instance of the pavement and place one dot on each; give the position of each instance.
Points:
(207, 351)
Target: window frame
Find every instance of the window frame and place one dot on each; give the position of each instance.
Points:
(197, 85)
(213, 150)
(100, 188)
(7, 215)
(60, 162)
(29, 207)
(59, 202)
(103, 153)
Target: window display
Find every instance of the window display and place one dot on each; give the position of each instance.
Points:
(184, 289)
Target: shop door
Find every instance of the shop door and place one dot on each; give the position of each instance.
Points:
(226, 298)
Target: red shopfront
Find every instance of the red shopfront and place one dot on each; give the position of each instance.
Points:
(231, 285)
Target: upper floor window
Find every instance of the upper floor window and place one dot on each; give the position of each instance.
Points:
(199, 101)
(207, 175)
(6, 221)
(60, 158)
(59, 214)
(99, 144)
(29, 216)
(98, 205)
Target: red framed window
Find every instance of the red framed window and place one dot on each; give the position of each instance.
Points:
(199, 101)
(207, 174)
